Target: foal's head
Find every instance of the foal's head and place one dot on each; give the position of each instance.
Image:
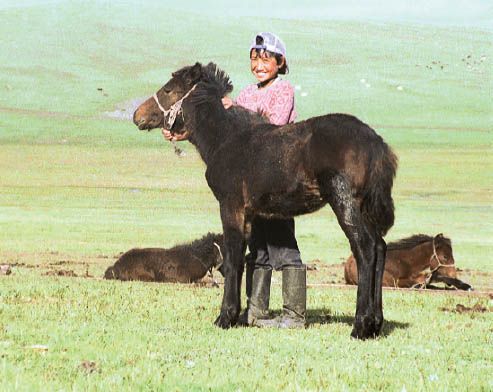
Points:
(158, 110)
(188, 88)
(442, 261)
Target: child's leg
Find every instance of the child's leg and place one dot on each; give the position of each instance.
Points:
(282, 246)
(284, 254)
(258, 276)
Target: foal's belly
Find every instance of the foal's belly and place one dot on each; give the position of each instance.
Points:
(304, 199)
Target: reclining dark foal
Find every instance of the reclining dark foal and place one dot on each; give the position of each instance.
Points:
(185, 263)
(254, 168)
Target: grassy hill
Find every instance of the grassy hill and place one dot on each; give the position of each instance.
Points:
(426, 89)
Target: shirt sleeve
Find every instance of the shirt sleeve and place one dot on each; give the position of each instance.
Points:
(241, 98)
(281, 104)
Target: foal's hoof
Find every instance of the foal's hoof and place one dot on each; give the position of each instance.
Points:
(225, 321)
(365, 328)
(363, 334)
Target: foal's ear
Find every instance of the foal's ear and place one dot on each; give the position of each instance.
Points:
(195, 73)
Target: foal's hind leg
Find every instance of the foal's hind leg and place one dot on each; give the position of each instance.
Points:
(381, 250)
(234, 240)
(338, 192)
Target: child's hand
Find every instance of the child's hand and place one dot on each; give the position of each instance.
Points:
(227, 102)
(167, 134)
(174, 137)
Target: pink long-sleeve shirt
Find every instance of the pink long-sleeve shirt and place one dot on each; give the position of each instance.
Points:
(275, 101)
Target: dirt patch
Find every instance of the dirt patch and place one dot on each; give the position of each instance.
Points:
(61, 273)
(476, 308)
(320, 273)
(84, 266)
(68, 273)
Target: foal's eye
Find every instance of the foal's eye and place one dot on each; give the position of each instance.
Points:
(168, 87)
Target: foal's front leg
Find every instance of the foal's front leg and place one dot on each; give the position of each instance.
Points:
(234, 241)
(457, 283)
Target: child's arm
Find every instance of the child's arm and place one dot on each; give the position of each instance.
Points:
(240, 100)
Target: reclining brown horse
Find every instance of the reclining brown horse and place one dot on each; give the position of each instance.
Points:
(416, 261)
(255, 168)
(186, 263)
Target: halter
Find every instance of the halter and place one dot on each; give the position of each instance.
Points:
(429, 271)
(174, 109)
(220, 255)
(216, 267)
(435, 255)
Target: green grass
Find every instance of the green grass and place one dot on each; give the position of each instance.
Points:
(160, 337)
(77, 188)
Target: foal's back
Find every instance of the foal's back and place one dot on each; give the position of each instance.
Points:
(156, 265)
(404, 267)
(276, 160)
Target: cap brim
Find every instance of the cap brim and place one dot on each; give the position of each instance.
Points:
(270, 48)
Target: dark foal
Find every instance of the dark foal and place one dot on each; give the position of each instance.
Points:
(254, 168)
(416, 261)
(183, 263)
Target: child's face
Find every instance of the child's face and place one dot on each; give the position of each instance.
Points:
(263, 65)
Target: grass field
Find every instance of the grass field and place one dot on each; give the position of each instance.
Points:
(77, 187)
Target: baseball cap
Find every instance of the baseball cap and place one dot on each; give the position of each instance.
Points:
(270, 42)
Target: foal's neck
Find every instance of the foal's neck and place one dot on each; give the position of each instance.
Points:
(209, 128)
(206, 255)
(425, 251)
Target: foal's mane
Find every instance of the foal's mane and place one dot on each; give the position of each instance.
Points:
(202, 244)
(414, 240)
(214, 83)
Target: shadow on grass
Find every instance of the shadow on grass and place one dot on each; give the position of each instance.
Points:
(324, 316)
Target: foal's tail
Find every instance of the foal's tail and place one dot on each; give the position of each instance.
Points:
(378, 207)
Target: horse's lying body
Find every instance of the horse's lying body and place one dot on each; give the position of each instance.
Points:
(186, 263)
(254, 168)
(416, 261)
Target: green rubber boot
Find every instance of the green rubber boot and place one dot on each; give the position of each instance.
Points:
(258, 293)
(294, 300)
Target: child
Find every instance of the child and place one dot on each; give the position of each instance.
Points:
(272, 244)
